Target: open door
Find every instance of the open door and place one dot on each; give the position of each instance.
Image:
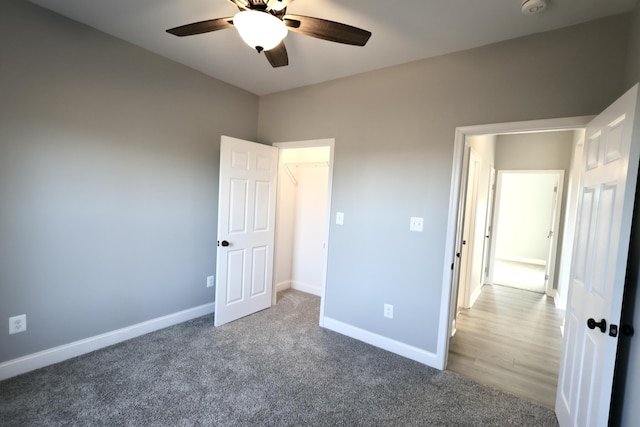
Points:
(246, 222)
(487, 276)
(471, 249)
(550, 269)
(606, 198)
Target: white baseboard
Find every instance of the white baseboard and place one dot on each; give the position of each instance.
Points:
(58, 354)
(474, 296)
(283, 285)
(521, 259)
(385, 343)
(305, 287)
(559, 303)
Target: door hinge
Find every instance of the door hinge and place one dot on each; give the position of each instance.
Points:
(546, 277)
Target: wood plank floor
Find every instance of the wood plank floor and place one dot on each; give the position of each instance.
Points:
(510, 339)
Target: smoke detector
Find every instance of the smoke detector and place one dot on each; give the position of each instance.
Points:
(531, 7)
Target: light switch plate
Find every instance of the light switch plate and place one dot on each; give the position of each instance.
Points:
(339, 218)
(416, 224)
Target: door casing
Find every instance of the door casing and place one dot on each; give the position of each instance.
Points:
(328, 142)
(450, 276)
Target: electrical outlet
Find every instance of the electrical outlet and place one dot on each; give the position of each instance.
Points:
(388, 311)
(210, 281)
(415, 224)
(17, 324)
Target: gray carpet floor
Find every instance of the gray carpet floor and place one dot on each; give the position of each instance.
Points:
(274, 368)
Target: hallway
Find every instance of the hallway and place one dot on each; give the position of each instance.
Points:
(510, 339)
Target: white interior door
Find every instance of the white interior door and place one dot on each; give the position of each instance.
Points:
(486, 254)
(246, 222)
(550, 271)
(467, 276)
(607, 191)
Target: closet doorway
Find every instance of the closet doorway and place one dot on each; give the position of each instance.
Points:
(302, 215)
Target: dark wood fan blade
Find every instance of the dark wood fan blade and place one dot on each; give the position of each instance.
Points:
(242, 4)
(277, 56)
(327, 30)
(202, 27)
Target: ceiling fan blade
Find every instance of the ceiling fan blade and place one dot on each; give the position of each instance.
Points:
(327, 30)
(202, 27)
(242, 4)
(277, 56)
(277, 5)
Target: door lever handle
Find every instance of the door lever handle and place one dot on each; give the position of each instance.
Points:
(602, 324)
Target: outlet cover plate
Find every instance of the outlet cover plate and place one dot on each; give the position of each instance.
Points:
(416, 224)
(388, 311)
(17, 324)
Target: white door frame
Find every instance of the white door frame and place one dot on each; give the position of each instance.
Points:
(461, 135)
(328, 142)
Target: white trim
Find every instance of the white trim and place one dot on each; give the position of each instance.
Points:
(283, 285)
(58, 354)
(474, 296)
(458, 150)
(327, 142)
(306, 287)
(524, 260)
(561, 304)
(397, 347)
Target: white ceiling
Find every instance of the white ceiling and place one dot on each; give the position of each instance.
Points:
(403, 31)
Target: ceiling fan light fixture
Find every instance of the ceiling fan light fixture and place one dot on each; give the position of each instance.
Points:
(260, 30)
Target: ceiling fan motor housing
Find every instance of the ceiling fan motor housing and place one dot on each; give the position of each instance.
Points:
(531, 7)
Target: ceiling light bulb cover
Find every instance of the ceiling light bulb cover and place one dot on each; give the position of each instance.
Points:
(260, 30)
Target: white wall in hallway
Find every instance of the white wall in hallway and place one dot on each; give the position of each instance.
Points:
(524, 216)
(310, 217)
(302, 210)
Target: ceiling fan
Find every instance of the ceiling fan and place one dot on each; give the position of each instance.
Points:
(263, 24)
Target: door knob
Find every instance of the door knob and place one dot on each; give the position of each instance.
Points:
(224, 243)
(602, 324)
(626, 330)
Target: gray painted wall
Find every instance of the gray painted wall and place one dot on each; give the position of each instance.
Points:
(108, 179)
(532, 151)
(394, 131)
(633, 61)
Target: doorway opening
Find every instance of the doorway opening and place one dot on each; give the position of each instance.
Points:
(489, 342)
(303, 207)
(528, 208)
